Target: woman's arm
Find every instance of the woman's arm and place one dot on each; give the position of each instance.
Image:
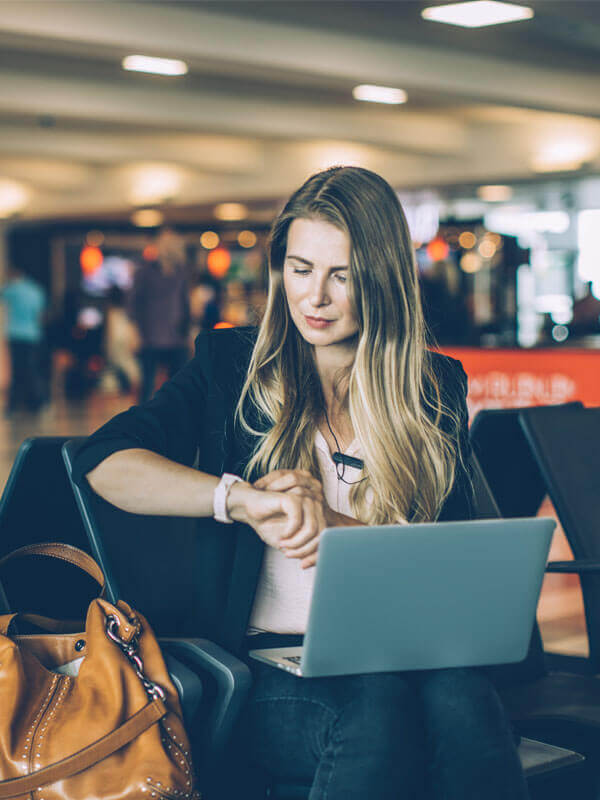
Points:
(143, 482)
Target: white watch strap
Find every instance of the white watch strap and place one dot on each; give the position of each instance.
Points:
(220, 497)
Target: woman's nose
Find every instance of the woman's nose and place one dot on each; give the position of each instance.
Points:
(318, 290)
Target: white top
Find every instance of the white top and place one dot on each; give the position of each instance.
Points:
(284, 591)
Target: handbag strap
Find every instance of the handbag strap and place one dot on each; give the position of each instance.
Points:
(64, 552)
(88, 756)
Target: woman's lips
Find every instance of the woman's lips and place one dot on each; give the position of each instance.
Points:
(316, 322)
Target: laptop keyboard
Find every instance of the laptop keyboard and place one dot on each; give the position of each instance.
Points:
(293, 659)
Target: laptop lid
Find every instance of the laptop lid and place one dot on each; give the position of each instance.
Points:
(425, 596)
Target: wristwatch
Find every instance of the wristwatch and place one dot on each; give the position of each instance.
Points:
(220, 497)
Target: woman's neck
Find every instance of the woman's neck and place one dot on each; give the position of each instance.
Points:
(333, 363)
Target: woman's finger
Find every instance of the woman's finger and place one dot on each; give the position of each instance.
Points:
(282, 480)
(305, 533)
(292, 508)
(313, 524)
(308, 549)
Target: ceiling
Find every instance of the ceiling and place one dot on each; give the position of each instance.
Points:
(267, 100)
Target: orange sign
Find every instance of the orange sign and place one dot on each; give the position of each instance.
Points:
(513, 378)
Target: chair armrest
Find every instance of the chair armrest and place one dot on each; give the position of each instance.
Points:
(232, 679)
(582, 565)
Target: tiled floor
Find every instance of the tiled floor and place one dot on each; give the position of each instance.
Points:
(560, 610)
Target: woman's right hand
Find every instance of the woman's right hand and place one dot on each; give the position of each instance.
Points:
(274, 515)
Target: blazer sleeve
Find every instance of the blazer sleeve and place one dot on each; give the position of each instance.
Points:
(460, 503)
(169, 424)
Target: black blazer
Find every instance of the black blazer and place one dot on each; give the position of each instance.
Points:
(191, 420)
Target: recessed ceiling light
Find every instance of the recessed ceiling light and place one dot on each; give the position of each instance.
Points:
(379, 94)
(231, 212)
(477, 14)
(495, 193)
(13, 197)
(157, 66)
(147, 218)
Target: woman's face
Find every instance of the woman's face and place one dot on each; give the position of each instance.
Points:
(315, 274)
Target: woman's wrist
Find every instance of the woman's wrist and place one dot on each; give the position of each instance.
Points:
(236, 500)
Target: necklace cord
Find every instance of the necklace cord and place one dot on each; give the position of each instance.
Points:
(339, 450)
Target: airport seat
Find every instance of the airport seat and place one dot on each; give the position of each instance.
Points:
(559, 707)
(527, 453)
(37, 505)
(174, 611)
(156, 565)
(565, 443)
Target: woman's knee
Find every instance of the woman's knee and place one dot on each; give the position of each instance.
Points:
(381, 708)
(460, 698)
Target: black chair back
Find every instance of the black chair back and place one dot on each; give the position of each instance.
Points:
(173, 569)
(507, 461)
(37, 505)
(566, 445)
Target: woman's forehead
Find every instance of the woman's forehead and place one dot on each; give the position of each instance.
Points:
(318, 241)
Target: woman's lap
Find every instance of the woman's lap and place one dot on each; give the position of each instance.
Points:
(369, 735)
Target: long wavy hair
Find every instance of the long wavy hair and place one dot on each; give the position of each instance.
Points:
(407, 437)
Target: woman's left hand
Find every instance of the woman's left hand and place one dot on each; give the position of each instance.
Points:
(305, 543)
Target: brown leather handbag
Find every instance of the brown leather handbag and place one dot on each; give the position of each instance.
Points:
(88, 714)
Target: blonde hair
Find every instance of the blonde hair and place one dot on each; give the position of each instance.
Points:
(408, 438)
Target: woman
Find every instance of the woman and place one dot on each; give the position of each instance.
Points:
(339, 364)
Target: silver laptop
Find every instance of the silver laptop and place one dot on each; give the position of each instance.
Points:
(390, 598)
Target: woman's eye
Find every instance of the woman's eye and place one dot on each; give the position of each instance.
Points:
(341, 278)
(301, 271)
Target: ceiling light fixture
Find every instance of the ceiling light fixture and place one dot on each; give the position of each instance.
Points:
(13, 197)
(231, 212)
(379, 94)
(156, 66)
(495, 193)
(147, 218)
(477, 14)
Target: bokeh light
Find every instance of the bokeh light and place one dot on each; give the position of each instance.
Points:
(471, 262)
(147, 218)
(467, 240)
(209, 240)
(438, 249)
(246, 239)
(218, 262)
(91, 259)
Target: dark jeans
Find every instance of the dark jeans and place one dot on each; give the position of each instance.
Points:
(172, 358)
(436, 734)
(26, 383)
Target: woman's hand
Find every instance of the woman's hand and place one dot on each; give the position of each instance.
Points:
(277, 517)
(295, 481)
(316, 514)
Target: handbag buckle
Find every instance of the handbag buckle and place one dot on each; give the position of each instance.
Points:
(130, 650)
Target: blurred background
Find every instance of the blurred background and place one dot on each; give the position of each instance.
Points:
(145, 148)
(492, 140)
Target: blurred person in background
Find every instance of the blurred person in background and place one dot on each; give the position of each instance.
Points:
(121, 341)
(586, 314)
(205, 304)
(160, 307)
(25, 302)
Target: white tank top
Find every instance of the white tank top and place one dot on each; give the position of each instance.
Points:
(284, 590)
